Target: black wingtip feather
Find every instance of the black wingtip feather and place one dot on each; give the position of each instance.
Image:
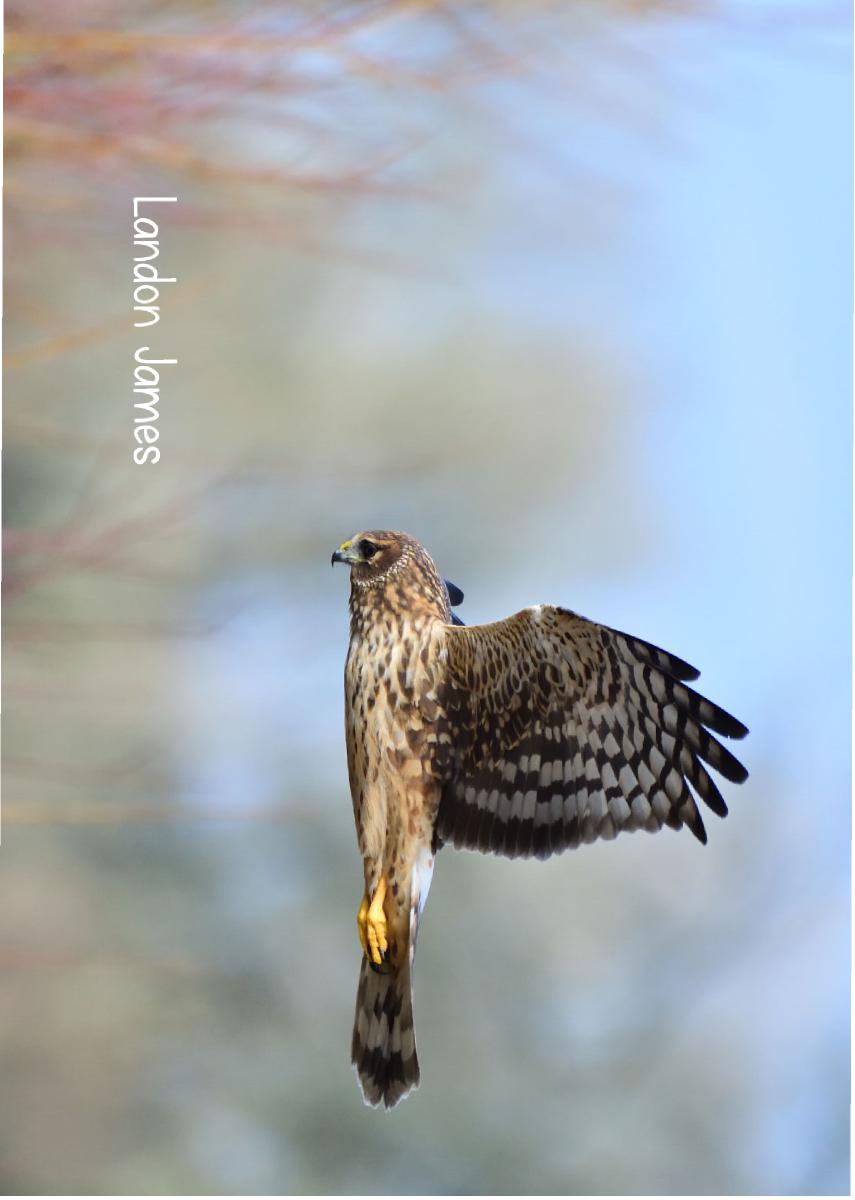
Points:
(705, 786)
(690, 814)
(707, 713)
(731, 727)
(718, 757)
(739, 772)
(655, 656)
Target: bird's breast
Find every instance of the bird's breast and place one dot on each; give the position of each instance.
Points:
(391, 686)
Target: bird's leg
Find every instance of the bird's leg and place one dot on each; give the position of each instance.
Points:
(361, 923)
(375, 925)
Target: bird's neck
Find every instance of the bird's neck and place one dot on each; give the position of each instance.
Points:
(396, 605)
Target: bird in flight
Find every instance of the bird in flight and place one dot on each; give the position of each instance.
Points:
(523, 737)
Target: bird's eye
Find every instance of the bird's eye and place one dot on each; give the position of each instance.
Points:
(367, 549)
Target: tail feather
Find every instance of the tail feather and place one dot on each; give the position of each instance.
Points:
(383, 1049)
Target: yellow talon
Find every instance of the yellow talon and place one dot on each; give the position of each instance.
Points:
(375, 925)
(361, 920)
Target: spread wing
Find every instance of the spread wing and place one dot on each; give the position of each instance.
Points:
(564, 731)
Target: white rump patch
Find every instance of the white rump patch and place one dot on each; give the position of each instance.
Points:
(421, 878)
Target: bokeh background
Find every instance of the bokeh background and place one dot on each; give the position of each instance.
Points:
(563, 289)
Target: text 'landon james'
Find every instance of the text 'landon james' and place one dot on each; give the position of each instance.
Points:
(147, 283)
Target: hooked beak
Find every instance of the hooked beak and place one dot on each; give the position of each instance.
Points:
(344, 554)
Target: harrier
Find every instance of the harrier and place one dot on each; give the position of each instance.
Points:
(522, 737)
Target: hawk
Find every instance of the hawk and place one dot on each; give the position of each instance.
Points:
(522, 737)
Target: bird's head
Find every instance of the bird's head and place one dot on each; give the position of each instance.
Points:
(391, 570)
(374, 554)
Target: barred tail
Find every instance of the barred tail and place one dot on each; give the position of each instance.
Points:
(383, 1049)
